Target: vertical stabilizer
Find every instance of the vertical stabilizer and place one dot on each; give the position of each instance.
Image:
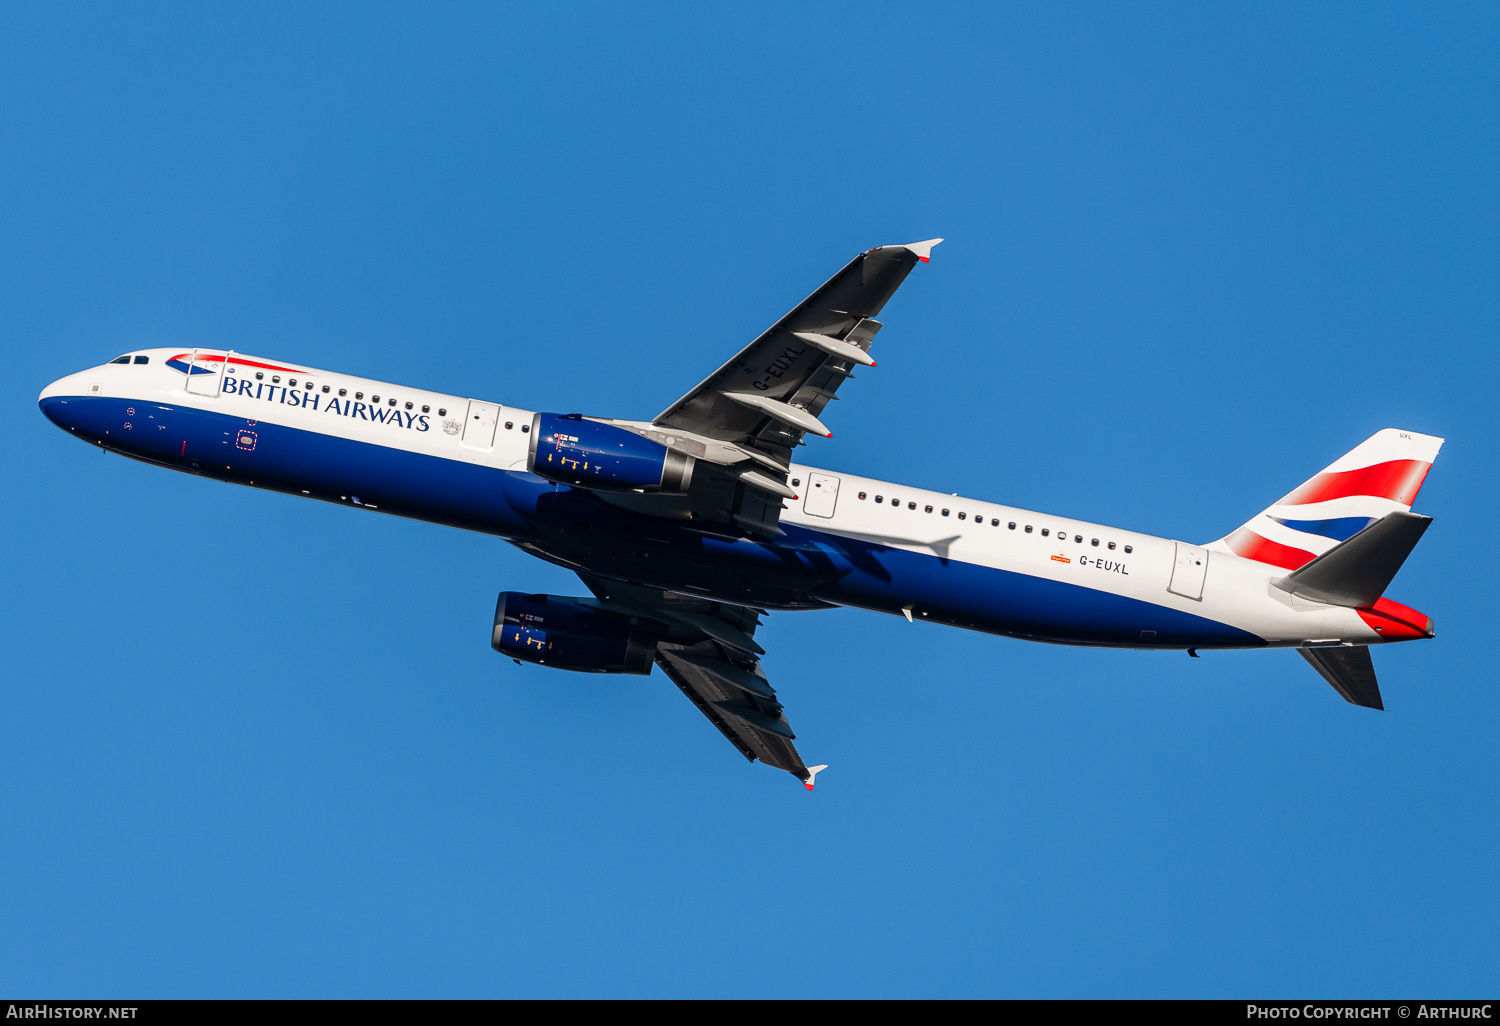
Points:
(1380, 476)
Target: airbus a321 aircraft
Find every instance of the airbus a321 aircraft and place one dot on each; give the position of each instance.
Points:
(688, 528)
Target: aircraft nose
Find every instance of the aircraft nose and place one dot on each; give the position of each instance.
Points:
(54, 399)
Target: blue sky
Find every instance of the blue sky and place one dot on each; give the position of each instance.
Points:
(255, 746)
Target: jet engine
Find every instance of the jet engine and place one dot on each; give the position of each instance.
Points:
(572, 634)
(569, 450)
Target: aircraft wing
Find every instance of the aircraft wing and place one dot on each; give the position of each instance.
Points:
(772, 392)
(710, 654)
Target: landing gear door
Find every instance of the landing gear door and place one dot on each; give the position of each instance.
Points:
(1189, 570)
(822, 495)
(479, 425)
(206, 372)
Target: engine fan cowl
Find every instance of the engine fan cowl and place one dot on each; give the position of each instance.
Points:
(570, 450)
(571, 634)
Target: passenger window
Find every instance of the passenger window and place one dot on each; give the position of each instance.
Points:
(508, 425)
(1044, 532)
(1127, 548)
(259, 376)
(325, 389)
(275, 379)
(1028, 528)
(945, 512)
(1012, 525)
(1094, 542)
(142, 359)
(307, 385)
(428, 409)
(1079, 539)
(861, 495)
(444, 413)
(913, 505)
(359, 395)
(895, 502)
(292, 382)
(929, 509)
(343, 391)
(525, 428)
(1111, 545)
(374, 398)
(796, 482)
(996, 523)
(408, 406)
(879, 498)
(963, 516)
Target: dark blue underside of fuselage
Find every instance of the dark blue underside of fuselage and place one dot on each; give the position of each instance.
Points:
(577, 529)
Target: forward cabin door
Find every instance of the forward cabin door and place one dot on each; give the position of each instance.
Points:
(206, 372)
(1189, 570)
(822, 495)
(479, 426)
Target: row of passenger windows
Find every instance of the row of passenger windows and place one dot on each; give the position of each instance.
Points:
(995, 522)
(308, 385)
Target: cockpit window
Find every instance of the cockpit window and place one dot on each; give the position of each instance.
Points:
(123, 359)
(142, 359)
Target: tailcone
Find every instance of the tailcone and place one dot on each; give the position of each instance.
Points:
(1395, 622)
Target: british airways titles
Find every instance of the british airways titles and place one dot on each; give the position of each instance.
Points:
(311, 400)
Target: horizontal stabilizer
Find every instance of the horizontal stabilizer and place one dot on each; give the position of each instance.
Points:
(1350, 671)
(1356, 572)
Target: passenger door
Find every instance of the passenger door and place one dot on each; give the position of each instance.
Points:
(1189, 570)
(479, 425)
(206, 372)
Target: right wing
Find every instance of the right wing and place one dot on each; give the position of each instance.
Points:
(772, 391)
(711, 657)
(742, 422)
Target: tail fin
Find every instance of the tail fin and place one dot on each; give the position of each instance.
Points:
(1381, 475)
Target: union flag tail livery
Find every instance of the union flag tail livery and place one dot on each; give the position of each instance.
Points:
(688, 528)
(1380, 475)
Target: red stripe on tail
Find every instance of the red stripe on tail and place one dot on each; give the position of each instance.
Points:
(1398, 480)
(1250, 545)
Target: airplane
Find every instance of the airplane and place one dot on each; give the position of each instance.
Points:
(688, 528)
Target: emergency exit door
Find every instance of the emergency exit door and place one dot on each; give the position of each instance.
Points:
(822, 495)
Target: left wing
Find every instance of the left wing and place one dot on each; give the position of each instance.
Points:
(711, 657)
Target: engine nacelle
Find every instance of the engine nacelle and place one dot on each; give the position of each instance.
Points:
(571, 634)
(569, 450)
